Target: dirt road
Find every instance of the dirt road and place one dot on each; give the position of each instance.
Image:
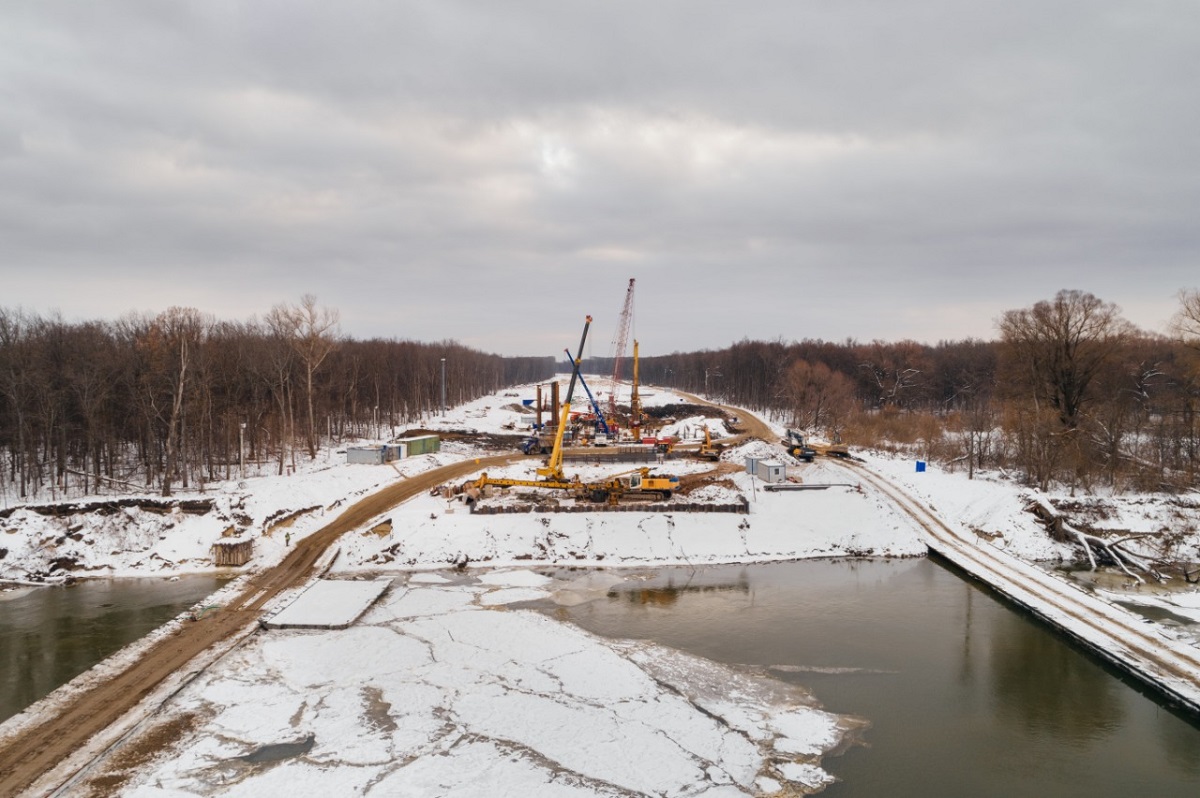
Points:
(24, 758)
(752, 426)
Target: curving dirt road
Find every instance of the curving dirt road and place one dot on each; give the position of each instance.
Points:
(26, 757)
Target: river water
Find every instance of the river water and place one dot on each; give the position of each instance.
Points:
(49, 635)
(965, 696)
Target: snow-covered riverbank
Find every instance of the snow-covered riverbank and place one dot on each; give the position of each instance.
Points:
(450, 681)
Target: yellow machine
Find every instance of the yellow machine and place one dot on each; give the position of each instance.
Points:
(707, 450)
(638, 482)
(552, 473)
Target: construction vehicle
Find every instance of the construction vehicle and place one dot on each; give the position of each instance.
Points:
(707, 450)
(638, 482)
(552, 473)
(796, 447)
(620, 338)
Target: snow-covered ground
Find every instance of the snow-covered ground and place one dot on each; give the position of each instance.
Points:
(446, 683)
(439, 690)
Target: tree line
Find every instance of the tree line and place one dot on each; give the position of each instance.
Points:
(180, 398)
(1069, 393)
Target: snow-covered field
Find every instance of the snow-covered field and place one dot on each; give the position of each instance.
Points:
(444, 687)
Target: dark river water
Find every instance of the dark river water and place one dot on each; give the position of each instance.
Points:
(965, 696)
(49, 635)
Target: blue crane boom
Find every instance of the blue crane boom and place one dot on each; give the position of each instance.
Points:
(592, 399)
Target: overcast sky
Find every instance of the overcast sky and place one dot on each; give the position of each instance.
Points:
(492, 172)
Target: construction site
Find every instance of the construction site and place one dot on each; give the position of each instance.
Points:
(604, 441)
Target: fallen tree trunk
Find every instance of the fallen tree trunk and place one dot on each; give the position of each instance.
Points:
(1112, 550)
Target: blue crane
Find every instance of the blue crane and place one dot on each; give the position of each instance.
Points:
(592, 399)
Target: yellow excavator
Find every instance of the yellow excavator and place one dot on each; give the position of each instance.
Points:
(707, 450)
(638, 481)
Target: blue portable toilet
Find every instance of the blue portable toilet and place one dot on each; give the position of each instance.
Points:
(920, 466)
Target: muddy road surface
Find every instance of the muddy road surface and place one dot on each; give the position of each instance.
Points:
(28, 755)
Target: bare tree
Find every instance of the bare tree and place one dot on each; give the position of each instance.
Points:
(1061, 346)
(1053, 354)
(1186, 323)
(313, 333)
(816, 394)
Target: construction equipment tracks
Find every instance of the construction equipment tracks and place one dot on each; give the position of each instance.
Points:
(1128, 642)
(35, 749)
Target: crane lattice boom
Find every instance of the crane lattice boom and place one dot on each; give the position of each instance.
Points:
(619, 341)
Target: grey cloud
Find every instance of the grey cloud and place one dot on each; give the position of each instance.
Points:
(493, 172)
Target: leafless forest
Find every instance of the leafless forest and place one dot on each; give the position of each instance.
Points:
(179, 399)
(1069, 393)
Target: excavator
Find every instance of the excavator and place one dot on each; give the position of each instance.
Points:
(707, 450)
(802, 450)
(639, 481)
(796, 447)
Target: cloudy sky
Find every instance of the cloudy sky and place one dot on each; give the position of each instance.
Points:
(492, 172)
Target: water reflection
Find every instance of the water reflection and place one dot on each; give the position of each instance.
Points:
(48, 636)
(965, 696)
(1047, 687)
(667, 595)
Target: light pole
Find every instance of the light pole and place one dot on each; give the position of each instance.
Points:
(375, 419)
(443, 386)
(715, 373)
(242, 448)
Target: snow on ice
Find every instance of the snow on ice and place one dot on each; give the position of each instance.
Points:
(444, 686)
(431, 692)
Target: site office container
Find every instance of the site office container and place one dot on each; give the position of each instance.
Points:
(421, 444)
(376, 455)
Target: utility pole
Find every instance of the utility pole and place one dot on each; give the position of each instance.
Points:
(242, 448)
(716, 373)
(443, 386)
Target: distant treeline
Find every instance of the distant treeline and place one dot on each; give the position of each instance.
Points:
(161, 400)
(1069, 393)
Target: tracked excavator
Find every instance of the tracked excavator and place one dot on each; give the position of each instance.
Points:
(796, 447)
(639, 481)
(708, 450)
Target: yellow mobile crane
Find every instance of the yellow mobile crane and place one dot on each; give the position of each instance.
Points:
(552, 473)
